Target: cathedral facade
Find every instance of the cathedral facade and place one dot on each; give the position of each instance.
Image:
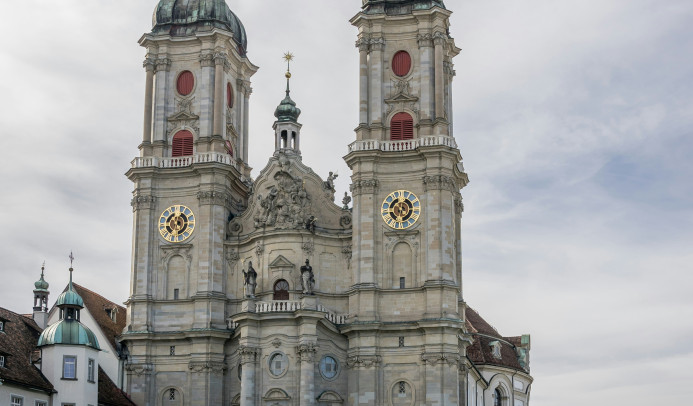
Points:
(272, 290)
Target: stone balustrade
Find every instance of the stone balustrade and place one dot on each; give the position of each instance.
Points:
(292, 305)
(404, 145)
(277, 306)
(183, 161)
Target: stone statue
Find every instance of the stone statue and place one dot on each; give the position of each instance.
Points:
(329, 183)
(346, 201)
(250, 280)
(310, 224)
(307, 278)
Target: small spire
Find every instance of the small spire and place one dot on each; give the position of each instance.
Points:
(72, 259)
(288, 57)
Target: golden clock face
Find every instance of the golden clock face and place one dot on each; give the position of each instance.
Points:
(401, 209)
(176, 223)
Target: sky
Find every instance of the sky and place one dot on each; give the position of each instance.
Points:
(574, 118)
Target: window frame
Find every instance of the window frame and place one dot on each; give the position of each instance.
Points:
(186, 140)
(74, 378)
(2, 326)
(40, 403)
(402, 129)
(3, 361)
(12, 400)
(91, 368)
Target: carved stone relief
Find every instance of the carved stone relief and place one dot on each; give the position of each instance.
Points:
(360, 187)
(184, 117)
(286, 205)
(142, 202)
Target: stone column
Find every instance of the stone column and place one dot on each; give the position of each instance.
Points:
(306, 354)
(249, 357)
(143, 247)
(149, 64)
(240, 115)
(376, 81)
(247, 91)
(363, 381)
(219, 62)
(439, 41)
(425, 42)
(159, 127)
(442, 379)
(363, 47)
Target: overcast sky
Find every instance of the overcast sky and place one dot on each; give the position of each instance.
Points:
(574, 118)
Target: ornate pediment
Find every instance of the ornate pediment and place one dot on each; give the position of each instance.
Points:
(281, 262)
(330, 397)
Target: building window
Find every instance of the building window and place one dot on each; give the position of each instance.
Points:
(171, 394)
(401, 63)
(281, 290)
(278, 364)
(182, 144)
(401, 341)
(402, 283)
(40, 403)
(2, 361)
(16, 400)
(185, 83)
(401, 127)
(172, 350)
(90, 370)
(402, 388)
(329, 367)
(69, 367)
(176, 294)
(229, 95)
(2, 325)
(497, 398)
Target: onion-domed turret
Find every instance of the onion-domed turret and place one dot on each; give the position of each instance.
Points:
(186, 17)
(69, 330)
(41, 285)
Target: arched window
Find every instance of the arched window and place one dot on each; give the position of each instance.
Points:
(497, 398)
(229, 95)
(401, 127)
(182, 144)
(281, 290)
(185, 83)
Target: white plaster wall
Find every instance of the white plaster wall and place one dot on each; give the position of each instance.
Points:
(30, 397)
(79, 391)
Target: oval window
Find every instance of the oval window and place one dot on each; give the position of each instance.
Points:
(401, 63)
(328, 367)
(185, 83)
(277, 364)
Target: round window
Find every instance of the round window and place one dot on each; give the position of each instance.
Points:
(278, 364)
(329, 367)
(185, 83)
(401, 63)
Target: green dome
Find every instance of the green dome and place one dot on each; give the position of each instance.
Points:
(41, 284)
(68, 332)
(398, 7)
(70, 297)
(185, 17)
(287, 110)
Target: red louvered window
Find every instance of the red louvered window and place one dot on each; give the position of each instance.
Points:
(401, 63)
(182, 144)
(185, 83)
(401, 127)
(229, 95)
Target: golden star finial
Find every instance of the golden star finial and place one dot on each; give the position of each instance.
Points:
(288, 57)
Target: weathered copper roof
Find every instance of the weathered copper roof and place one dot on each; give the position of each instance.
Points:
(68, 332)
(186, 17)
(17, 345)
(398, 7)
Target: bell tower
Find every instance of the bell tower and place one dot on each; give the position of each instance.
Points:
(190, 178)
(406, 299)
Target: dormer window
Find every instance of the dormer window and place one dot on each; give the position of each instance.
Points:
(112, 313)
(2, 361)
(2, 325)
(495, 349)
